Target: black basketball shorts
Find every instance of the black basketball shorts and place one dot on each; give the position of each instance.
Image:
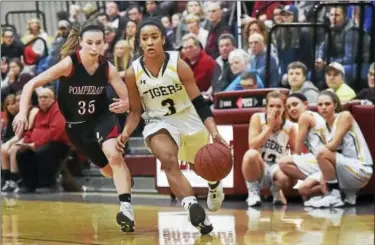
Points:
(88, 137)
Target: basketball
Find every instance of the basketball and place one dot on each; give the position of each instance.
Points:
(213, 162)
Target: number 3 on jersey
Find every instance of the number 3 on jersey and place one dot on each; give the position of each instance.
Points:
(170, 104)
(83, 107)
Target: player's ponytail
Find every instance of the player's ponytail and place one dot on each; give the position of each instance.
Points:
(72, 44)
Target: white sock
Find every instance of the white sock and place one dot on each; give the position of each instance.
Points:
(187, 201)
(252, 185)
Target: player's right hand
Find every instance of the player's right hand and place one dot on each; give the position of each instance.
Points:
(121, 141)
(272, 118)
(20, 124)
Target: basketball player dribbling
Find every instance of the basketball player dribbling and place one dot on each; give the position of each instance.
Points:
(270, 136)
(162, 85)
(312, 133)
(82, 100)
(345, 161)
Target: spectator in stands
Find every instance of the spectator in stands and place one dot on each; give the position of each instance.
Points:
(192, 8)
(130, 31)
(109, 45)
(218, 27)
(297, 74)
(152, 9)
(258, 60)
(123, 56)
(34, 30)
(335, 78)
(345, 36)
(193, 22)
(4, 71)
(8, 137)
(135, 14)
(293, 44)
(256, 26)
(368, 93)
(62, 35)
(113, 12)
(202, 64)
(239, 63)
(249, 80)
(226, 46)
(267, 12)
(103, 18)
(16, 78)
(10, 149)
(74, 12)
(88, 11)
(45, 146)
(169, 33)
(10, 47)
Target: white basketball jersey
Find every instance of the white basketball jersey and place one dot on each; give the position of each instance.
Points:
(353, 145)
(318, 135)
(164, 97)
(277, 143)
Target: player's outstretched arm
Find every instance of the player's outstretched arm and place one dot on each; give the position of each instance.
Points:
(304, 123)
(344, 123)
(187, 77)
(63, 68)
(135, 108)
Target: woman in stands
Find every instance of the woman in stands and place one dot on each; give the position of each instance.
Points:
(312, 134)
(270, 137)
(9, 149)
(83, 75)
(345, 161)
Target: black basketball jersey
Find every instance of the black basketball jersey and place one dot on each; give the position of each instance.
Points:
(81, 96)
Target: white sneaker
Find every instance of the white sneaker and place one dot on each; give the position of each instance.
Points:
(125, 218)
(331, 200)
(215, 198)
(350, 197)
(253, 199)
(311, 200)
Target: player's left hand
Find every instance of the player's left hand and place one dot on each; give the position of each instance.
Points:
(121, 141)
(217, 138)
(119, 106)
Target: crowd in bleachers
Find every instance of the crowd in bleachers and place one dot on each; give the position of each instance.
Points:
(206, 37)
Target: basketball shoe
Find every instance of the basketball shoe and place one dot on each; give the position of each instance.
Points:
(253, 198)
(308, 203)
(332, 200)
(125, 218)
(199, 219)
(215, 197)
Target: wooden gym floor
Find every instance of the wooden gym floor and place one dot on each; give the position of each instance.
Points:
(62, 218)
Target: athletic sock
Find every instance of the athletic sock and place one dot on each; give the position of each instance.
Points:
(188, 201)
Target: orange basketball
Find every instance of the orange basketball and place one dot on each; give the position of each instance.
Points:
(213, 162)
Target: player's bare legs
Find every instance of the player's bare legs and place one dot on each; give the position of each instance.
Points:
(280, 181)
(310, 191)
(288, 166)
(165, 149)
(252, 170)
(122, 181)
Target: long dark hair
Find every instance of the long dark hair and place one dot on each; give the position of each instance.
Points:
(72, 44)
(335, 99)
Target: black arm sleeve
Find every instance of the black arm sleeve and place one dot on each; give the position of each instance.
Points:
(202, 108)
